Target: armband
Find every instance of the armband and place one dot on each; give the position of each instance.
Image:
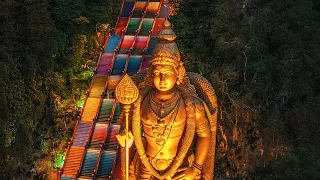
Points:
(204, 127)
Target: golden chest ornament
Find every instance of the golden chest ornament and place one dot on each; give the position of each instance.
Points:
(162, 126)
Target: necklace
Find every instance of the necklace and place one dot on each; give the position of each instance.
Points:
(163, 104)
(161, 131)
(160, 120)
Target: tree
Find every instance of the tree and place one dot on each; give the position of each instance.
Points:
(262, 57)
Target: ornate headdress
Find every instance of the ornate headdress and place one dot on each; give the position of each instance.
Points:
(166, 51)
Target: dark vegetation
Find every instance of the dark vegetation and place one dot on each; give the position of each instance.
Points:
(262, 57)
(48, 49)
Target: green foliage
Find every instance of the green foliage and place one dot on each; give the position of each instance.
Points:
(262, 58)
(43, 47)
(59, 159)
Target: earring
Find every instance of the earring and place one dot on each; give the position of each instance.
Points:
(181, 73)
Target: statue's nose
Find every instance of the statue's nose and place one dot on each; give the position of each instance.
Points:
(162, 78)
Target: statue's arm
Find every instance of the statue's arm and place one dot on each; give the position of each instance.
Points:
(204, 133)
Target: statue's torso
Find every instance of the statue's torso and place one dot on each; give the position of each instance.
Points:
(175, 125)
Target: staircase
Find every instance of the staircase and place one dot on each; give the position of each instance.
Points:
(94, 151)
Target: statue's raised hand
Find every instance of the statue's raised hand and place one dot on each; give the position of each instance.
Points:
(124, 140)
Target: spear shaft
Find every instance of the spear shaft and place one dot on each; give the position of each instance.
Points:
(126, 109)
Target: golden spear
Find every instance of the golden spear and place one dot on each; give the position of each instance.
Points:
(126, 93)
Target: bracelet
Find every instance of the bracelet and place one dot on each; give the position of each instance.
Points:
(196, 165)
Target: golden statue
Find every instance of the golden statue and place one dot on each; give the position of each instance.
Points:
(173, 120)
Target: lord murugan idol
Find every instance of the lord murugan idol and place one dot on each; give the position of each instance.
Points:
(173, 120)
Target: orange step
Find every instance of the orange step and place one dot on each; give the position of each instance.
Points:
(90, 109)
(73, 161)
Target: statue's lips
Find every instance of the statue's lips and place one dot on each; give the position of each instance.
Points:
(163, 85)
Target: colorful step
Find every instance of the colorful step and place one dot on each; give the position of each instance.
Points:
(133, 26)
(134, 64)
(112, 142)
(126, 9)
(140, 45)
(146, 26)
(152, 43)
(73, 161)
(105, 110)
(152, 9)
(99, 135)
(89, 162)
(119, 64)
(126, 44)
(90, 109)
(82, 134)
(121, 25)
(106, 162)
(112, 44)
(97, 87)
(113, 81)
(139, 9)
(105, 64)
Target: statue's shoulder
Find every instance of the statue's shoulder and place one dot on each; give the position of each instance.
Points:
(197, 101)
(199, 105)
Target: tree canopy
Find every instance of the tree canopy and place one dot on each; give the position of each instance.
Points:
(44, 45)
(262, 57)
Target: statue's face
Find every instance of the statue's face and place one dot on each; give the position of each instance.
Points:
(164, 77)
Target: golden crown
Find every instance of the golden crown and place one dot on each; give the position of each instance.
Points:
(166, 51)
